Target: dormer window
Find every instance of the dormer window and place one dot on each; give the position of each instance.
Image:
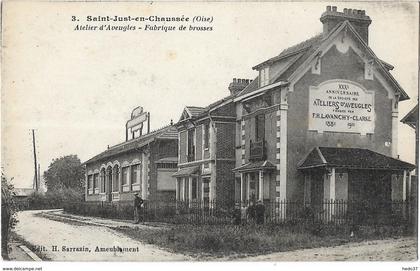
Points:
(264, 77)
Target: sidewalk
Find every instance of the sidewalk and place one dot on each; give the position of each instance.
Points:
(58, 214)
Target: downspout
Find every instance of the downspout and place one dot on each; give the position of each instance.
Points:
(215, 148)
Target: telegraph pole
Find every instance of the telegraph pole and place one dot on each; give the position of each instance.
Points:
(35, 162)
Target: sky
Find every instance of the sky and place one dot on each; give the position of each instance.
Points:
(77, 88)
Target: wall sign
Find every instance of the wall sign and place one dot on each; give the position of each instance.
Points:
(341, 106)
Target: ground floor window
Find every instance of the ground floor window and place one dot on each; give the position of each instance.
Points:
(96, 183)
(90, 184)
(136, 177)
(102, 177)
(124, 175)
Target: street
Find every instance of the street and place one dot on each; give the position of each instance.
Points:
(45, 233)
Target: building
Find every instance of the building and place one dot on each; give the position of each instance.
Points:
(412, 120)
(206, 152)
(142, 164)
(21, 195)
(320, 122)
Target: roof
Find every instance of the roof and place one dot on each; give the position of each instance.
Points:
(299, 48)
(23, 192)
(412, 117)
(254, 166)
(167, 132)
(195, 110)
(351, 158)
(187, 171)
(299, 55)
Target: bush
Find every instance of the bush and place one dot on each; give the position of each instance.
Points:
(53, 199)
(8, 214)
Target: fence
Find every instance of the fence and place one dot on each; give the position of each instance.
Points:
(198, 212)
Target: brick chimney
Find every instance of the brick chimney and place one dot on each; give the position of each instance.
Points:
(358, 18)
(237, 85)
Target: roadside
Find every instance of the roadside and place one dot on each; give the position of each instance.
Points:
(228, 242)
(400, 249)
(78, 241)
(21, 250)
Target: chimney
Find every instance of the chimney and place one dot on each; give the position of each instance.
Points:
(237, 85)
(358, 19)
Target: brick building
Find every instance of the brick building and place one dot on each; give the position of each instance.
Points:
(321, 121)
(207, 149)
(143, 165)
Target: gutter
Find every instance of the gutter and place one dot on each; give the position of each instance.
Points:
(271, 86)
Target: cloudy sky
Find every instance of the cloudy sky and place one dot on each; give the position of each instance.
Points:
(77, 88)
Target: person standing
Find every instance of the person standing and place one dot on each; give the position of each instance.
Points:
(236, 216)
(138, 208)
(259, 212)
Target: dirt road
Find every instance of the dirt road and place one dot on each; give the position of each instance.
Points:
(81, 241)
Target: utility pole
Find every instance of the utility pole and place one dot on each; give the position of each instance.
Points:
(35, 162)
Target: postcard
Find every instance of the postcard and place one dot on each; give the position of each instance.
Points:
(166, 134)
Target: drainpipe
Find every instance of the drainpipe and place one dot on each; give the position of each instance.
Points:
(215, 147)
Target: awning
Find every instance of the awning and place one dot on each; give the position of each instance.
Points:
(185, 172)
(256, 166)
(352, 158)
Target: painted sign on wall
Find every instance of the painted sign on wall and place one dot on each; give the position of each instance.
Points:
(341, 106)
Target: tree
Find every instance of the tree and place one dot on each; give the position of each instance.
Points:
(8, 214)
(65, 173)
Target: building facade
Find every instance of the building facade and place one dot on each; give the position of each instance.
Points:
(207, 150)
(141, 165)
(320, 122)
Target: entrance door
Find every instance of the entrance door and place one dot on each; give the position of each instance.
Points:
(317, 190)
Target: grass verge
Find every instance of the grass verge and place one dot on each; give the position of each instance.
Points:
(239, 241)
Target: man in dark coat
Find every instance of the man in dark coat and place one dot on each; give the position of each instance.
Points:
(259, 212)
(138, 208)
(236, 216)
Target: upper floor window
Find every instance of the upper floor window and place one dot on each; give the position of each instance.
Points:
(264, 77)
(206, 135)
(259, 127)
(191, 145)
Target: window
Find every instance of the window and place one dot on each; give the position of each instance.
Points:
(206, 135)
(124, 175)
(264, 77)
(96, 183)
(191, 145)
(102, 181)
(90, 184)
(136, 175)
(116, 179)
(259, 127)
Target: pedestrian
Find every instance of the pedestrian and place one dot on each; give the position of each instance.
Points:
(259, 212)
(138, 208)
(236, 216)
(250, 212)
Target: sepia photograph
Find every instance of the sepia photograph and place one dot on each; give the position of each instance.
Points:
(265, 134)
